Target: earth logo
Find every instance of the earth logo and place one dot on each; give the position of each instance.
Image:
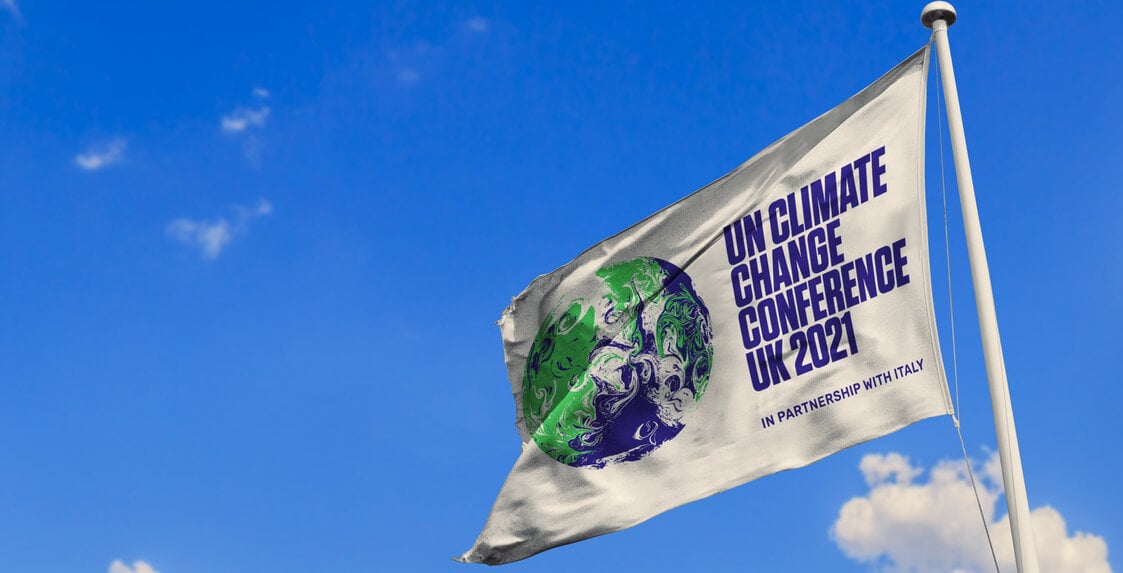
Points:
(609, 379)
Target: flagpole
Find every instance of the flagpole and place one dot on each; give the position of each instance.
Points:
(938, 16)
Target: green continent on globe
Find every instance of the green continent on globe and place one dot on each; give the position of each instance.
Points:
(609, 380)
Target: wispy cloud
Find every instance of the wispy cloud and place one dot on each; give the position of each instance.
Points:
(138, 567)
(407, 62)
(245, 121)
(212, 236)
(244, 118)
(408, 76)
(12, 8)
(262, 209)
(101, 155)
(934, 526)
(477, 24)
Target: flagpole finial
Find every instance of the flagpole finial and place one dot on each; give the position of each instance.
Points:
(937, 11)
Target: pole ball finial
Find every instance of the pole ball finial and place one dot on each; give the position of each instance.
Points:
(937, 11)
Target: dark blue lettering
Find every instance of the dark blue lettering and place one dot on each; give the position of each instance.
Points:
(734, 242)
(739, 276)
(831, 284)
(744, 237)
(848, 191)
(788, 311)
(776, 212)
(816, 298)
(864, 187)
(797, 257)
(884, 257)
(762, 279)
(899, 262)
(848, 283)
(867, 280)
(834, 241)
(766, 318)
(824, 197)
(780, 275)
(750, 336)
(878, 170)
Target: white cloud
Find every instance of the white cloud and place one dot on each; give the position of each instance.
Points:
(262, 208)
(244, 122)
(477, 24)
(934, 527)
(244, 118)
(138, 567)
(878, 469)
(101, 155)
(212, 236)
(1056, 550)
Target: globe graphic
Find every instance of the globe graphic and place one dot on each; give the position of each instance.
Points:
(610, 378)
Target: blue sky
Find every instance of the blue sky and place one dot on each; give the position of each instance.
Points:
(251, 257)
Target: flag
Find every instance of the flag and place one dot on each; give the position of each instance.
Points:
(777, 315)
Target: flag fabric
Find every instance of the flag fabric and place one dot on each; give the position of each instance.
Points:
(777, 315)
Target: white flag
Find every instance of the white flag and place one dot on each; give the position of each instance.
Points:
(778, 315)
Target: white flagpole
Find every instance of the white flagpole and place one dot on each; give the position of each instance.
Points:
(938, 16)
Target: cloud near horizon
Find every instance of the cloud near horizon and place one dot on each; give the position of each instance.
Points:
(138, 567)
(102, 155)
(934, 527)
(212, 236)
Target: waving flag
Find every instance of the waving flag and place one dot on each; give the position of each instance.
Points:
(778, 315)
